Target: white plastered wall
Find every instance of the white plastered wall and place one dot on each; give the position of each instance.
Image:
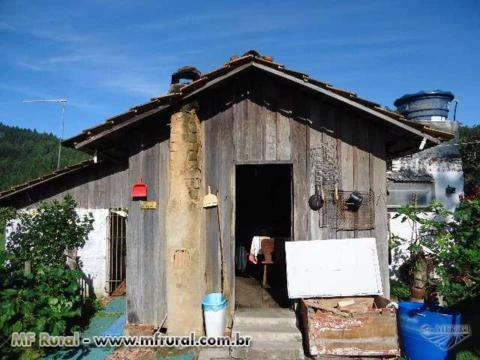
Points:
(94, 254)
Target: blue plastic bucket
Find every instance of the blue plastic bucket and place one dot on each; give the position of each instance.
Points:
(214, 313)
(427, 332)
(214, 302)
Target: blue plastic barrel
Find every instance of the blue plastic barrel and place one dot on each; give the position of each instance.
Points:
(428, 332)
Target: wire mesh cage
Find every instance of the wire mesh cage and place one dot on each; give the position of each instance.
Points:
(336, 214)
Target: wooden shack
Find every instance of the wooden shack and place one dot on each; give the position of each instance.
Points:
(264, 138)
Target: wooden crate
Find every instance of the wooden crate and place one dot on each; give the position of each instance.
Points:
(328, 331)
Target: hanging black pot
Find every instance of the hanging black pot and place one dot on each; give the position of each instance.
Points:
(354, 201)
(316, 201)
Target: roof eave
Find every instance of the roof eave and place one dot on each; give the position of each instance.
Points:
(14, 190)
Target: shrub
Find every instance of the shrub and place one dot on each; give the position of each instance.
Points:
(46, 235)
(46, 298)
(459, 254)
(455, 245)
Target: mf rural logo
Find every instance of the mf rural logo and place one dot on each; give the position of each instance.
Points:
(445, 337)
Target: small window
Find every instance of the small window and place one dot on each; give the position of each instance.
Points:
(400, 194)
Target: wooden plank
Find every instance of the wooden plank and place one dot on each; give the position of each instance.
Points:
(212, 158)
(160, 242)
(362, 163)
(324, 153)
(226, 207)
(135, 222)
(330, 139)
(299, 134)
(316, 231)
(269, 118)
(220, 174)
(284, 111)
(148, 245)
(380, 190)
(256, 126)
(240, 134)
(346, 160)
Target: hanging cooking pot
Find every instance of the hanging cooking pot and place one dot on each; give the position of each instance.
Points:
(316, 201)
(354, 201)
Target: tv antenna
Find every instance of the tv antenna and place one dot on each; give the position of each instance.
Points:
(62, 102)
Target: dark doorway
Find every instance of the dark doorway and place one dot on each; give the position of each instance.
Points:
(263, 209)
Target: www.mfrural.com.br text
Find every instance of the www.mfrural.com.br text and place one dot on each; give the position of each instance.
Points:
(43, 339)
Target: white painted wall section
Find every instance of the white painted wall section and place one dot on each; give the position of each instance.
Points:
(94, 254)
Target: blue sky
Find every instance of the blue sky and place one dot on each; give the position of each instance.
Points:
(106, 56)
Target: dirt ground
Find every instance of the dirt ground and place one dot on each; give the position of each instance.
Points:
(149, 353)
(250, 294)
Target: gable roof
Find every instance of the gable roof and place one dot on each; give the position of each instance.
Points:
(89, 138)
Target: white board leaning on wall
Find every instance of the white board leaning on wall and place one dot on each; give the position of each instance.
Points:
(330, 268)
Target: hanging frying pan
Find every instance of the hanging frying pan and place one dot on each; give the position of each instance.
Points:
(316, 200)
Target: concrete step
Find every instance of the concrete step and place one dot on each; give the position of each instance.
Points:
(289, 350)
(273, 332)
(267, 317)
(262, 333)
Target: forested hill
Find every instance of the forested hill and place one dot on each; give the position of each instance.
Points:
(27, 154)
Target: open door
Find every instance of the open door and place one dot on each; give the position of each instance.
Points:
(264, 216)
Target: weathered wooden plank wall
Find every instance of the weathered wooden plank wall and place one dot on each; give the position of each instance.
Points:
(272, 122)
(146, 277)
(265, 132)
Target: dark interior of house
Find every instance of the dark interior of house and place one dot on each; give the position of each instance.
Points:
(263, 208)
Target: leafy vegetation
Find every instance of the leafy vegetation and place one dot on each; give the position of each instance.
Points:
(6, 214)
(45, 235)
(470, 152)
(399, 290)
(38, 291)
(459, 253)
(27, 154)
(455, 246)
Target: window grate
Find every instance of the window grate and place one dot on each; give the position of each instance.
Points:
(117, 250)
